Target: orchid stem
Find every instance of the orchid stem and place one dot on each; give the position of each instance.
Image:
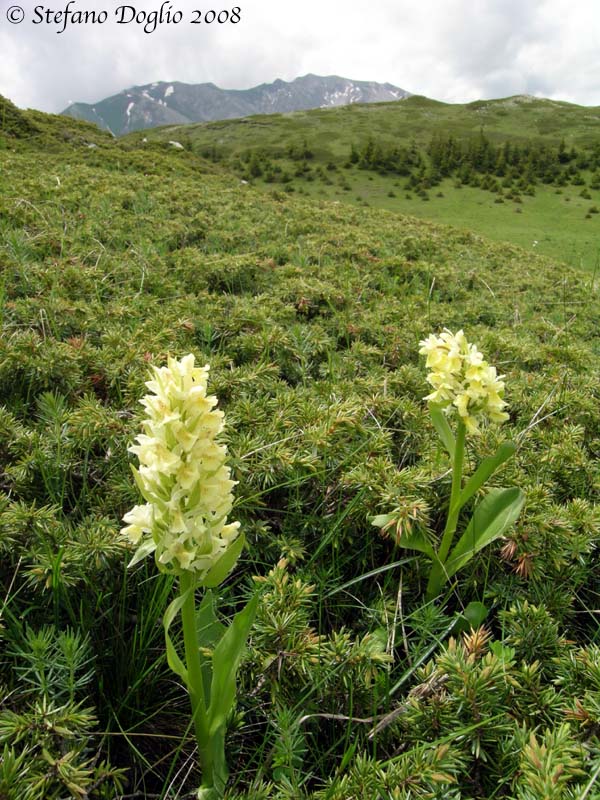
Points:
(187, 584)
(436, 576)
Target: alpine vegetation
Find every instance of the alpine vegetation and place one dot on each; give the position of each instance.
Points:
(466, 386)
(188, 492)
(450, 651)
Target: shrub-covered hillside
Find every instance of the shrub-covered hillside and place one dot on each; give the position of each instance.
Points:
(310, 316)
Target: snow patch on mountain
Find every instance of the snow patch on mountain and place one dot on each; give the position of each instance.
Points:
(351, 94)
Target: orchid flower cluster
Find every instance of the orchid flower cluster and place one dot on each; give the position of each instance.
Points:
(182, 473)
(466, 386)
(462, 380)
(187, 486)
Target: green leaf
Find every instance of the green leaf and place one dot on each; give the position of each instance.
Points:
(225, 662)
(412, 540)
(219, 571)
(502, 652)
(149, 497)
(475, 613)
(173, 659)
(485, 470)
(147, 547)
(210, 792)
(416, 540)
(138, 480)
(472, 617)
(219, 762)
(498, 510)
(370, 574)
(208, 627)
(383, 520)
(348, 756)
(440, 423)
(226, 659)
(209, 631)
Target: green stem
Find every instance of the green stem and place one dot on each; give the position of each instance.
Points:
(436, 577)
(454, 508)
(187, 583)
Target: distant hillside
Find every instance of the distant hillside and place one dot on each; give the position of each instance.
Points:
(519, 169)
(14, 122)
(179, 103)
(19, 129)
(330, 132)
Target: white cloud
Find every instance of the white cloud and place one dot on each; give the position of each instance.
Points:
(453, 50)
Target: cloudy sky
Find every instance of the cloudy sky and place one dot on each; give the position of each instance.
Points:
(452, 50)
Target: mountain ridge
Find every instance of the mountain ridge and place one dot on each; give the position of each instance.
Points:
(178, 103)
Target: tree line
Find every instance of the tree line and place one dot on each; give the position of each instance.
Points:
(478, 161)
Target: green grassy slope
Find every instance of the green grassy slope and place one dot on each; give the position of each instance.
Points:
(310, 314)
(559, 223)
(331, 130)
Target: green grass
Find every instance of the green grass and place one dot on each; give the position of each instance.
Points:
(310, 314)
(558, 222)
(416, 118)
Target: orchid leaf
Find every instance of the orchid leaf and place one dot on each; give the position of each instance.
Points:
(173, 659)
(226, 659)
(417, 540)
(440, 423)
(209, 628)
(225, 662)
(221, 569)
(498, 510)
(383, 520)
(209, 631)
(485, 470)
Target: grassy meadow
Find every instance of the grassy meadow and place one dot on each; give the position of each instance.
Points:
(114, 254)
(555, 221)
